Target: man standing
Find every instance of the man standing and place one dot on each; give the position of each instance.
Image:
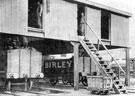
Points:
(39, 12)
(82, 25)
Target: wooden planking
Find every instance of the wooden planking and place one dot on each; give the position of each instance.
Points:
(127, 77)
(4, 15)
(36, 60)
(80, 64)
(94, 21)
(3, 61)
(23, 15)
(12, 61)
(25, 61)
(84, 64)
(87, 64)
(61, 20)
(76, 66)
(13, 16)
(119, 30)
(94, 67)
(21, 62)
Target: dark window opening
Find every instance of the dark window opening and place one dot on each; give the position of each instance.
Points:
(81, 20)
(105, 17)
(35, 10)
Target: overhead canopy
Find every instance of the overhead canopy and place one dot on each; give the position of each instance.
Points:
(88, 2)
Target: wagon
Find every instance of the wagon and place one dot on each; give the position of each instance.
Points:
(20, 66)
(99, 84)
(58, 69)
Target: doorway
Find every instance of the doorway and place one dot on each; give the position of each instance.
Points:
(81, 20)
(105, 25)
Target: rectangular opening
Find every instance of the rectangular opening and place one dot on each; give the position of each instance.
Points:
(105, 25)
(81, 20)
(35, 13)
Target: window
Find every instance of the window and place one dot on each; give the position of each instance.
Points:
(105, 25)
(35, 10)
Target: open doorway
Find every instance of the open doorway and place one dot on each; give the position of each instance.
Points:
(35, 12)
(81, 20)
(105, 25)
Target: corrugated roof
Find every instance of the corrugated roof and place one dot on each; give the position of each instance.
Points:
(88, 2)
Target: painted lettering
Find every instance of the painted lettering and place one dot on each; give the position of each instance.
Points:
(69, 63)
(46, 65)
(49, 65)
(63, 64)
(58, 65)
(54, 65)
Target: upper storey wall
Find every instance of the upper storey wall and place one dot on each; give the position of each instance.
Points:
(13, 16)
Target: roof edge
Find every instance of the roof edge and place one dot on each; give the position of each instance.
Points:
(104, 7)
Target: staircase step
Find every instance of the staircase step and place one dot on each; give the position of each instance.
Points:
(86, 40)
(90, 46)
(96, 53)
(120, 86)
(107, 69)
(123, 90)
(115, 78)
(88, 43)
(94, 50)
(99, 57)
(110, 73)
(101, 61)
(117, 82)
(105, 65)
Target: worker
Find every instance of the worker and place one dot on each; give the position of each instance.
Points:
(82, 25)
(39, 12)
(23, 41)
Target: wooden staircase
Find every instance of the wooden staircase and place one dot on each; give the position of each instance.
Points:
(91, 50)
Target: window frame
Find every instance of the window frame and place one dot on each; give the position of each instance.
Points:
(109, 26)
(35, 29)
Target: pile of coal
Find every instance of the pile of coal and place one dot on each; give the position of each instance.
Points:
(15, 42)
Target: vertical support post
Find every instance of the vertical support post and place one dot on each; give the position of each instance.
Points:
(26, 83)
(90, 67)
(127, 77)
(76, 65)
(83, 63)
(98, 45)
(118, 72)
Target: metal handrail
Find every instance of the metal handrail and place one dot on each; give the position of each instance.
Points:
(105, 48)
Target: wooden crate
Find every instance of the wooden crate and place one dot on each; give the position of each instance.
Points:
(21, 63)
(99, 83)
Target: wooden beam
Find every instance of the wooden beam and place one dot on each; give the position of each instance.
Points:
(127, 77)
(88, 2)
(76, 65)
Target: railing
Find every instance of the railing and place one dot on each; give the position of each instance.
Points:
(90, 54)
(105, 48)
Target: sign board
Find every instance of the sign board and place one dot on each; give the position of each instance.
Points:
(58, 63)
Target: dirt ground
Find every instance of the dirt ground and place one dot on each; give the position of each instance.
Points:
(43, 89)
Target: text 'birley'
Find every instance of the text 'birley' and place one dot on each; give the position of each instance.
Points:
(58, 63)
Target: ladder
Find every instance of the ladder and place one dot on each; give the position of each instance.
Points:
(91, 50)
